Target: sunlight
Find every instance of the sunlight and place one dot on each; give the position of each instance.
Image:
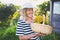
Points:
(21, 2)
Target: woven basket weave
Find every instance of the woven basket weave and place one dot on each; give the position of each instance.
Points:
(40, 28)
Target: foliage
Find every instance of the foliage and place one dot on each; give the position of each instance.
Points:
(6, 13)
(9, 33)
(43, 8)
(52, 36)
(38, 19)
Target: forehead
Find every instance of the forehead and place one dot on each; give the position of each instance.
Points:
(28, 9)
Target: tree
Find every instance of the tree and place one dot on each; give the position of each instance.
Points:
(42, 10)
(44, 7)
(6, 13)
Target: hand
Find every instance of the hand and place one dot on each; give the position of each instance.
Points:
(40, 34)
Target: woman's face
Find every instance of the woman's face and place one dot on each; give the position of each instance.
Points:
(29, 12)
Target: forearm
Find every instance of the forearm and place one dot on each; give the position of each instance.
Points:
(25, 37)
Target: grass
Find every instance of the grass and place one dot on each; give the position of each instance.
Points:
(9, 33)
(53, 36)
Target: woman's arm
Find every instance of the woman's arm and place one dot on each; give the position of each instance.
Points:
(26, 37)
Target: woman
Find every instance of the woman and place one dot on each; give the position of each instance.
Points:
(23, 26)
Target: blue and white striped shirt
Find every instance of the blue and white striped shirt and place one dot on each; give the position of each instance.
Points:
(24, 29)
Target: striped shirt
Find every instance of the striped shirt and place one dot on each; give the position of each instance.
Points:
(24, 29)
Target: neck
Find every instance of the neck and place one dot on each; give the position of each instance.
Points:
(28, 18)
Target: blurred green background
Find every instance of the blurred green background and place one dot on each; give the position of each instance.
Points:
(9, 16)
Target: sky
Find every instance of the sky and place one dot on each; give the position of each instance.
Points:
(21, 2)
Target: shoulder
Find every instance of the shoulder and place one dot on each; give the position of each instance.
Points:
(20, 22)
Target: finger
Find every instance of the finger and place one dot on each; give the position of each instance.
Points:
(43, 33)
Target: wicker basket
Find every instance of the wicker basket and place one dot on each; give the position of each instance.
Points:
(40, 28)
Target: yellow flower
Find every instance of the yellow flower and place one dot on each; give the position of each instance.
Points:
(38, 19)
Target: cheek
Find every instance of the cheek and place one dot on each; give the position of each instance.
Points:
(29, 13)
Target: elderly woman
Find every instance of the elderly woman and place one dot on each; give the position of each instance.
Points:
(23, 29)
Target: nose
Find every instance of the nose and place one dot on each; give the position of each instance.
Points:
(31, 12)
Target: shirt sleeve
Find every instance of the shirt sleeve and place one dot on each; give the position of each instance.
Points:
(19, 28)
